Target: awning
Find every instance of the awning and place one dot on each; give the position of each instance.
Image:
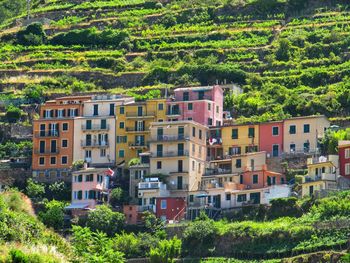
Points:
(201, 195)
(77, 206)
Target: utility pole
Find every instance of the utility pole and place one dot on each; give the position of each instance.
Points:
(28, 9)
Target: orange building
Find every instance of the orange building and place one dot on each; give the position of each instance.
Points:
(53, 136)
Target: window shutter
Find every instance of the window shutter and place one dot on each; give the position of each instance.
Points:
(76, 112)
(64, 112)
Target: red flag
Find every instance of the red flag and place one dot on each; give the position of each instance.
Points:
(109, 172)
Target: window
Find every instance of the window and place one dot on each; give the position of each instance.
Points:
(217, 109)
(95, 109)
(292, 129)
(64, 143)
(306, 128)
(122, 139)
(186, 96)
(64, 126)
(201, 95)
(242, 198)
(209, 106)
(193, 131)
(347, 169)
(121, 154)
(191, 198)
(238, 163)
(251, 132)
(121, 125)
(193, 149)
(121, 110)
(80, 195)
(234, 150)
(111, 109)
(159, 165)
(64, 160)
(41, 160)
(190, 106)
(193, 166)
(347, 153)
(189, 118)
(103, 124)
(53, 146)
(234, 134)
(78, 178)
(88, 154)
(160, 106)
(210, 121)
(200, 134)
(159, 150)
(292, 147)
(89, 178)
(60, 113)
(103, 153)
(53, 160)
(255, 178)
(163, 204)
(228, 197)
(275, 131)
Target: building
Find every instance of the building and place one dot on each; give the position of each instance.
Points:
(200, 104)
(132, 127)
(226, 141)
(322, 175)
(95, 131)
(271, 138)
(170, 209)
(53, 138)
(138, 171)
(344, 158)
(301, 134)
(90, 187)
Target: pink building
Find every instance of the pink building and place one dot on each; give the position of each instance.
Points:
(271, 138)
(200, 104)
(344, 158)
(90, 187)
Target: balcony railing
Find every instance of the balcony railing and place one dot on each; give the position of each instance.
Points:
(177, 187)
(46, 151)
(172, 154)
(86, 143)
(138, 144)
(53, 133)
(95, 127)
(161, 138)
(142, 115)
(151, 185)
(173, 112)
(323, 176)
(217, 171)
(133, 129)
(213, 141)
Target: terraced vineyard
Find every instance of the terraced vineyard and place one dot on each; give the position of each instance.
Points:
(290, 57)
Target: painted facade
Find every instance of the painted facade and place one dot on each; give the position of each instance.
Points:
(271, 138)
(200, 104)
(53, 138)
(344, 158)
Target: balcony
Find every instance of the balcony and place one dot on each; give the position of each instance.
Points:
(94, 144)
(43, 134)
(174, 112)
(214, 141)
(151, 185)
(169, 138)
(321, 177)
(171, 154)
(95, 127)
(255, 168)
(178, 187)
(136, 130)
(46, 152)
(217, 171)
(149, 114)
(138, 145)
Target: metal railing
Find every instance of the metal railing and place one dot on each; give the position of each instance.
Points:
(46, 151)
(177, 187)
(151, 185)
(133, 129)
(143, 114)
(85, 143)
(172, 154)
(138, 144)
(95, 127)
(52, 133)
(164, 138)
(216, 171)
(173, 112)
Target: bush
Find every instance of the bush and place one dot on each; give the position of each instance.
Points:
(35, 190)
(53, 216)
(32, 35)
(284, 207)
(166, 251)
(34, 92)
(13, 114)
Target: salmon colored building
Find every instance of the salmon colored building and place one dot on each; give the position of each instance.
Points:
(53, 136)
(344, 158)
(170, 208)
(271, 138)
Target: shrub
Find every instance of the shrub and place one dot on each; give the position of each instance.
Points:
(13, 114)
(32, 35)
(53, 216)
(284, 207)
(34, 92)
(35, 190)
(166, 251)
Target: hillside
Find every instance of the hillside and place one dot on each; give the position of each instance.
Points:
(290, 56)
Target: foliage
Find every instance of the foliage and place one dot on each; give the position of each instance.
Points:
(35, 190)
(152, 223)
(166, 251)
(34, 92)
(53, 215)
(112, 221)
(33, 34)
(13, 114)
(331, 139)
(117, 197)
(13, 149)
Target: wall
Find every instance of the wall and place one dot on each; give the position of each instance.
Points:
(267, 139)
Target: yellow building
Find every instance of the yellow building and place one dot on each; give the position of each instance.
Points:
(132, 127)
(226, 141)
(322, 175)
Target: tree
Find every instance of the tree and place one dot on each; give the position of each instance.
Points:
(32, 35)
(166, 251)
(105, 220)
(116, 197)
(34, 92)
(13, 114)
(34, 190)
(53, 216)
(152, 223)
(283, 50)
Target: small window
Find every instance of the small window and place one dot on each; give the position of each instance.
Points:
(193, 131)
(121, 110)
(190, 106)
(255, 178)
(200, 134)
(159, 165)
(292, 129)
(292, 147)
(251, 132)
(64, 143)
(210, 121)
(103, 153)
(64, 160)
(160, 106)
(89, 178)
(238, 163)
(65, 126)
(347, 153)
(163, 204)
(234, 134)
(111, 109)
(242, 198)
(121, 154)
(306, 128)
(191, 198)
(95, 109)
(228, 197)
(217, 109)
(121, 125)
(186, 96)
(209, 106)
(41, 160)
(275, 131)
(53, 160)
